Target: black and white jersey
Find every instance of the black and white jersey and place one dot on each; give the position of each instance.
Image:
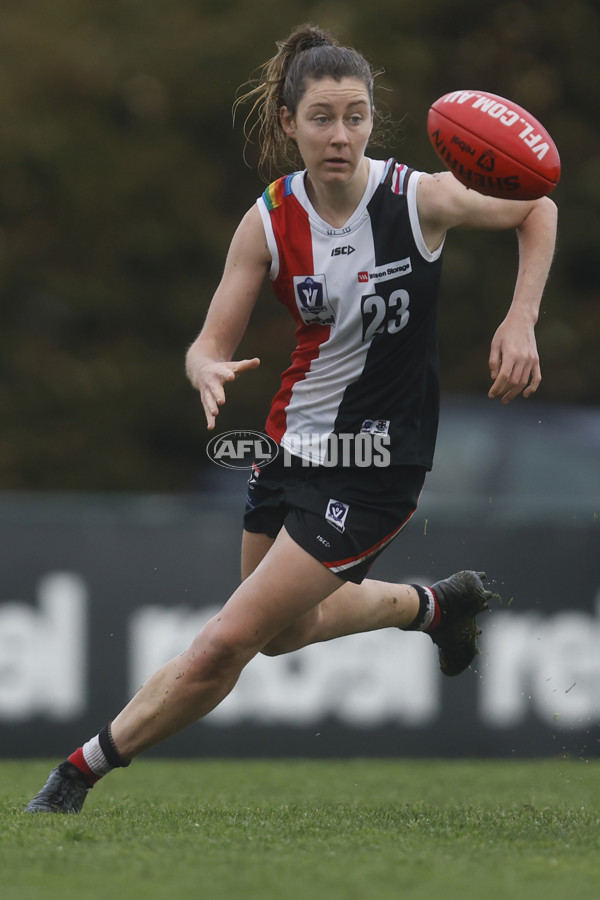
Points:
(364, 298)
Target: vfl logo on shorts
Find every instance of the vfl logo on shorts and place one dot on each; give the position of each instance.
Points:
(336, 514)
(312, 300)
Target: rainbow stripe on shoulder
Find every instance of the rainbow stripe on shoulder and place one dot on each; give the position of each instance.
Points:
(396, 175)
(277, 191)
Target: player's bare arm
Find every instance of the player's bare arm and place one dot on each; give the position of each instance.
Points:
(443, 204)
(209, 363)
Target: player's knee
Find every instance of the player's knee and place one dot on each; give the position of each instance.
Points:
(217, 651)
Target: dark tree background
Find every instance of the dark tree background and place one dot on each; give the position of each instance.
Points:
(122, 181)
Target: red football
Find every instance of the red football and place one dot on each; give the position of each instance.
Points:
(493, 146)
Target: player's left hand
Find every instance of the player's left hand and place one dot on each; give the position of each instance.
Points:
(514, 361)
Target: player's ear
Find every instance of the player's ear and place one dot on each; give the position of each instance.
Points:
(288, 122)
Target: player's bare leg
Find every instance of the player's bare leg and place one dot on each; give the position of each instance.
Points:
(284, 587)
(288, 600)
(353, 609)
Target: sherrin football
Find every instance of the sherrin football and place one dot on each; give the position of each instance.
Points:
(493, 146)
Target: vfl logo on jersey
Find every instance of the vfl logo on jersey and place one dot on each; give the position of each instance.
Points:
(336, 514)
(313, 302)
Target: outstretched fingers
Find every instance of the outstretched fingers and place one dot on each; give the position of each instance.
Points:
(212, 390)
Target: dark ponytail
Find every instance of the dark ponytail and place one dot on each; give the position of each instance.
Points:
(309, 52)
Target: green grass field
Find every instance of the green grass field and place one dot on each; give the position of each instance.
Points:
(297, 830)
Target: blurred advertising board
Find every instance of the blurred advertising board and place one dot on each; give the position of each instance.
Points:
(98, 591)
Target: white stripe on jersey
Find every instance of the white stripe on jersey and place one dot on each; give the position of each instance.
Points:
(270, 236)
(415, 224)
(315, 400)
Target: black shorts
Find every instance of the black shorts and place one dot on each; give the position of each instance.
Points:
(343, 517)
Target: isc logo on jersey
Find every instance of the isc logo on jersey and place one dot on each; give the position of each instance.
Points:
(313, 300)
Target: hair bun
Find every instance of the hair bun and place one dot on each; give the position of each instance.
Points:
(316, 41)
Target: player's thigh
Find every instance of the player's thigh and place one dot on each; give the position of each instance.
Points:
(255, 547)
(288, 584)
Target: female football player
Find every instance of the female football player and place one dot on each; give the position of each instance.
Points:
(353, 247)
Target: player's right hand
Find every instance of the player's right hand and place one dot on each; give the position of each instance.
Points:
(209, 378)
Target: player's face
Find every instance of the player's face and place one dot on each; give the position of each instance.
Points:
(332, 126)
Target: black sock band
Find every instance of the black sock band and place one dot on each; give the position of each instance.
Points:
(107, 745)
(427, 609)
